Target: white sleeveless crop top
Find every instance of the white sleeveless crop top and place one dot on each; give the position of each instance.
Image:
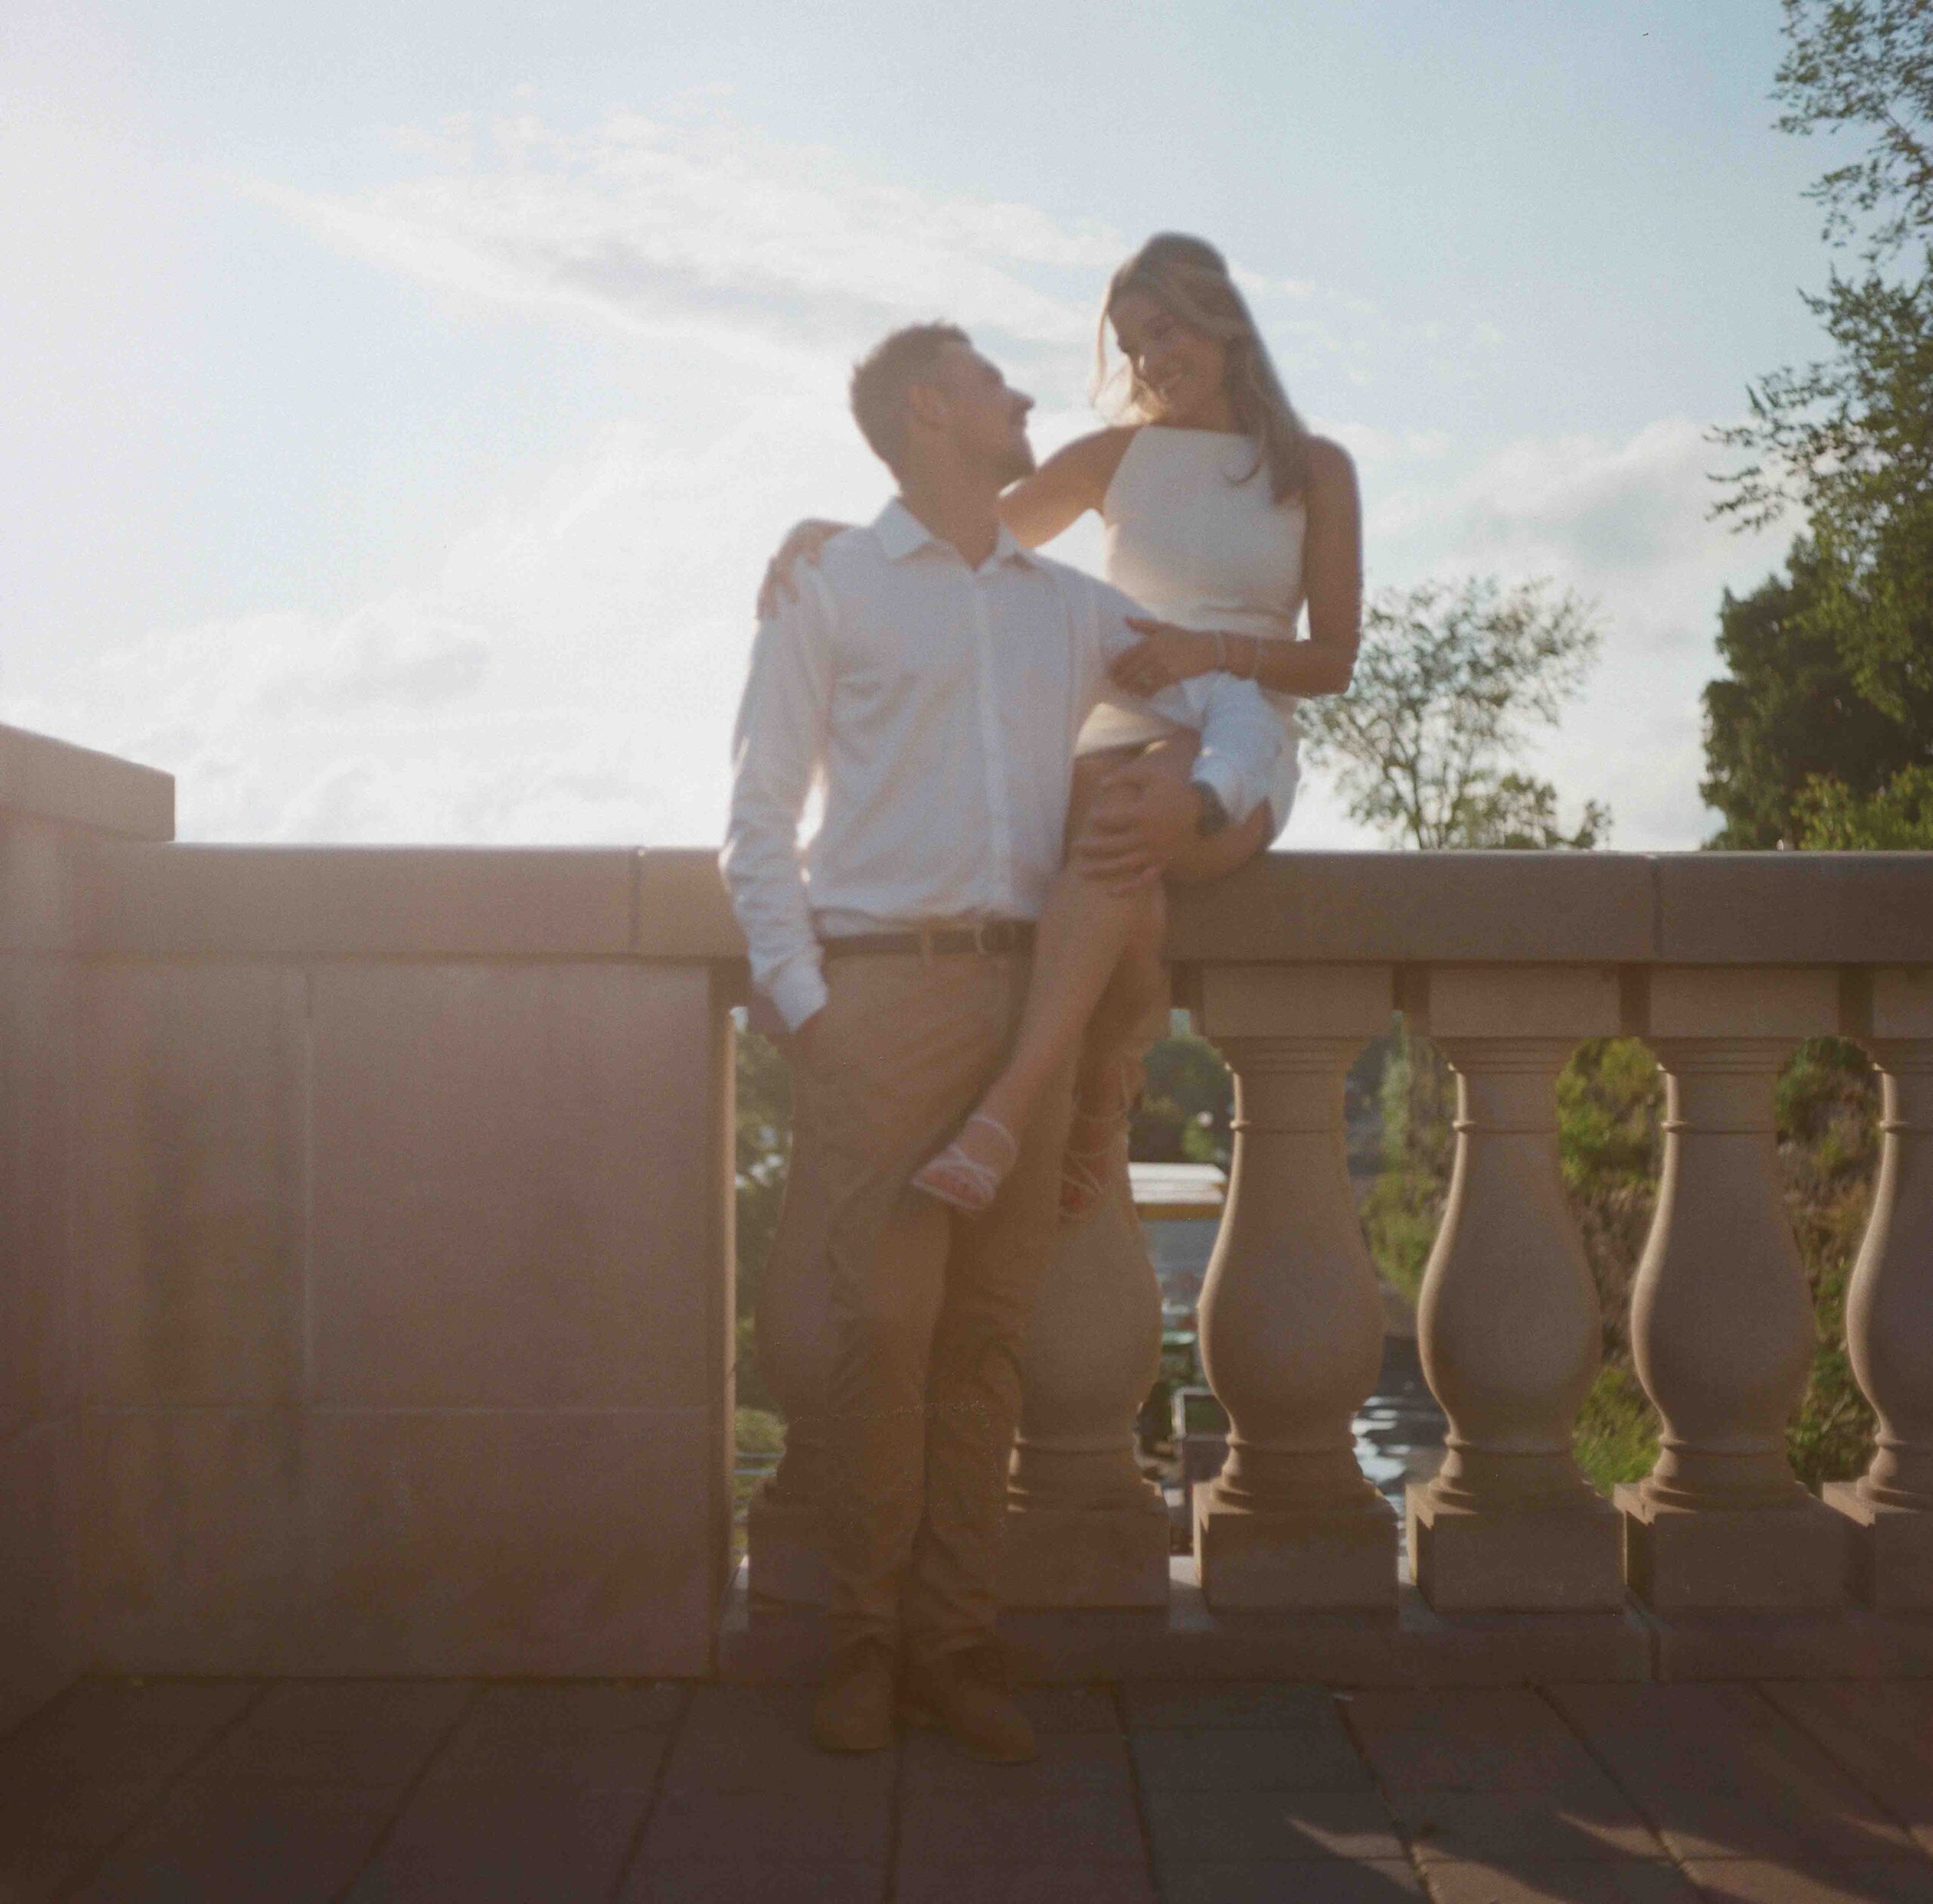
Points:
(1191, 530)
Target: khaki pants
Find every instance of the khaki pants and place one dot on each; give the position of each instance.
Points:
(930, 1309)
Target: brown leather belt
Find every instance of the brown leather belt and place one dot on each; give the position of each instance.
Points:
(989, 937)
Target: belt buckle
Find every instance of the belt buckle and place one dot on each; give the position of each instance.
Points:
(982, 944)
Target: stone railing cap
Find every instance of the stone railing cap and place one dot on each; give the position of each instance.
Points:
(1602, 909)
(45, 779)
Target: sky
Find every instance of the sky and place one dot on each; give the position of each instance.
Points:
(401, 401)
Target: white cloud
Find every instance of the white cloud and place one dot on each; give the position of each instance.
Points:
(699, 226)
(566, 669)
(567, 672)
(705, 227)
(1626, 523)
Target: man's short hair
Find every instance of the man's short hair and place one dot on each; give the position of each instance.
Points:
(882, 378)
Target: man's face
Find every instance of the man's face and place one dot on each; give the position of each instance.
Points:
(983, 419)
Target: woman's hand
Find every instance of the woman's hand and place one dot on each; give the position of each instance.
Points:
(1164, 655)
(803, 543)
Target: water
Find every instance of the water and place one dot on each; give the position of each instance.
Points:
(1399, 1433)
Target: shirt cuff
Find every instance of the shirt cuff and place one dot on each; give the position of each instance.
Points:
(798, 990)
(1213, 772)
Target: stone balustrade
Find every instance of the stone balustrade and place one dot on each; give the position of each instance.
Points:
(365, 1258)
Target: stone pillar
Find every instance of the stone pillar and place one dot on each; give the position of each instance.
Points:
(1509, 1324)
(1086, 1528)
(1889, 1313)
(1291, 1316)
(1722, 1322)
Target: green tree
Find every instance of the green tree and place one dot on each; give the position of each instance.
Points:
(1848, 439)
(1897, 818)
(763, 1094)
(1426, 747)
(1187, 1101)
(1790, 710)
(1450, 683)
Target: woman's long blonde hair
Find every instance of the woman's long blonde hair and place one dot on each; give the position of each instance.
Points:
(1189, 280)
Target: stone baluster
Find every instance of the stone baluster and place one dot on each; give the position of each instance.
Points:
(1291, 1316)
(1509, 1324)
(1086, 1528)
(1722, 1322)
(1889, 1311)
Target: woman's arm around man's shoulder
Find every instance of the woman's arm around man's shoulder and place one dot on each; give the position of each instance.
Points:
(1070, 482)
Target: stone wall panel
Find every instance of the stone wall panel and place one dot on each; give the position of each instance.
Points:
(511, 1168)
(354, 1541)
(193, 1121)
(39, 1347)
(43, 1635)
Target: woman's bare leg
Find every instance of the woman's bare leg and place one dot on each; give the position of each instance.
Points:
(1107, 1078)
(1097, 976)
(1078, 941)
(1084, 928)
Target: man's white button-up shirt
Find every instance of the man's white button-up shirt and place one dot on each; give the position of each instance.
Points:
(938, 706)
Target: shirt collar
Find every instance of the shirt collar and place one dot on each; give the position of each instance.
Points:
(901, 532)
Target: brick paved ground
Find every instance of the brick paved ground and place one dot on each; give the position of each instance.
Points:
(198, 1792)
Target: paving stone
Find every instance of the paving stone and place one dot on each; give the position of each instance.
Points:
(377, 1733)
(1069, 1761)
(123, 1732)
(946, 1827)
(610, 1735)
(1380, 1880)
(750, 1739)
(1870, 1880)
(83, 1770)
(1561, 1825)
(1153, 1703)
(1504, 1741)
(1627, 1883)
(1070, 1709)
(37, 1873)
(1720, 1773)
(1268, 1827)
(740, 1881)
(826, 1826)
(1879, 1732)
(1317, 1758)
(43, 1812)
(493, 1840)
(1034, 1883)
(214, 1841)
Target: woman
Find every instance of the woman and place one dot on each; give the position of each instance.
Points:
(1223, 514)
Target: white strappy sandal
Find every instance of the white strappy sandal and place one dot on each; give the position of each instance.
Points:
(1086, 1169)
(963, 1182)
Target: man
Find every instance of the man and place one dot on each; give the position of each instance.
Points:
(933, 675)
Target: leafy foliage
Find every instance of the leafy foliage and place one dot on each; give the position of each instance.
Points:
(1187, 1101)
(1865, 63)
(761, 1139)
(1790, 712)
(1848, 438)
(1897, 818)
(1828, 1122)
(1449, 682)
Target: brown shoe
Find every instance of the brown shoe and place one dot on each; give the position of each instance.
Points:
(957, 1694)
(854, 1711)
